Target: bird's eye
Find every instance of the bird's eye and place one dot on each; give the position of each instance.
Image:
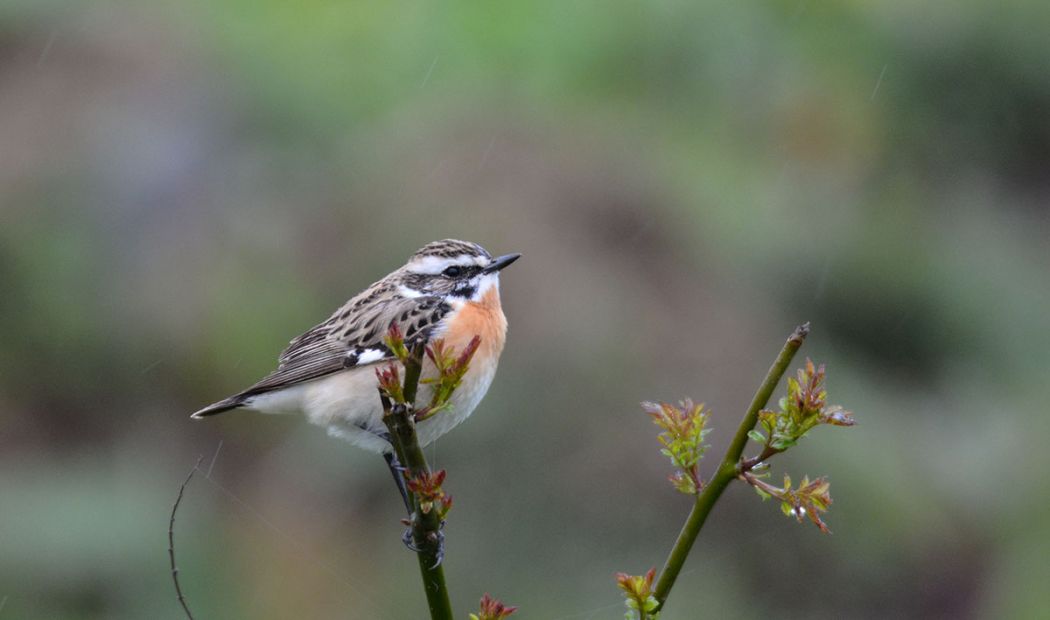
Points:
(453, 272)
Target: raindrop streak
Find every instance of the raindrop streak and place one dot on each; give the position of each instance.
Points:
(213, 459)
(429, 71)
(39, 61)
(878, 83)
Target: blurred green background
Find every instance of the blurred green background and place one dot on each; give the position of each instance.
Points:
(184, 187)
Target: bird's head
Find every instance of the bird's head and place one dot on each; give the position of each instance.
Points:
(455, 270)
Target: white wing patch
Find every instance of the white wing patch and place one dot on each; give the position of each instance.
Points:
(410, 293)
(370, 355)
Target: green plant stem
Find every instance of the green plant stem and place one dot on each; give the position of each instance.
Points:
(727, 470)
(426, 527)
(413, 368)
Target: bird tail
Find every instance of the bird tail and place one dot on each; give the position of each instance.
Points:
(226, 404)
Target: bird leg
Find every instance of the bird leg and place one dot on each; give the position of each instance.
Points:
(398, 471)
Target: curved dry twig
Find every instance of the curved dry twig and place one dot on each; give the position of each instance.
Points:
(171, 540)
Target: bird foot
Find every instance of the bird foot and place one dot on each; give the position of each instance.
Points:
(434, 538)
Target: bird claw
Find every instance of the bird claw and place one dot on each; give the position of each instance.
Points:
(437, 537)
(439, 553)
(410, 541)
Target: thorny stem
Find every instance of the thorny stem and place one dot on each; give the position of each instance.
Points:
(729, 469)
(171, 540)
(426, 527)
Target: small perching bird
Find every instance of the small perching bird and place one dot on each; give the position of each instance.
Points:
(448, 289)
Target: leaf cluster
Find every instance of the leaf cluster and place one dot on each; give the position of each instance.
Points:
(804, 408)
(810, 499)
(426, 486)
(390, 383)
(450, 369)
(492, 609)
(684, 429)
(395, 341)
(638, 595)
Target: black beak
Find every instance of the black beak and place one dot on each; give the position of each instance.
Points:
(499, 263)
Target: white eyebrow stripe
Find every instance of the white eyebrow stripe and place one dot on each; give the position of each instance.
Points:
(433, 265)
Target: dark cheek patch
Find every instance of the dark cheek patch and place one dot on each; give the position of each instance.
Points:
(465, 291)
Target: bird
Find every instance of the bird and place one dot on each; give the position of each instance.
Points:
(447, 289)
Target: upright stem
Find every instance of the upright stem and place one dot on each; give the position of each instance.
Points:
(426, 527)
(413, 368)
(728, 469)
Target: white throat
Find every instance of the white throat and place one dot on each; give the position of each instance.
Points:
(486, 282)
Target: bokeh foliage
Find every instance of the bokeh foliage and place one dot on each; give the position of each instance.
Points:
(186, 186)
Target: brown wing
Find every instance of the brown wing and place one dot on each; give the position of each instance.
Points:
(351, 337)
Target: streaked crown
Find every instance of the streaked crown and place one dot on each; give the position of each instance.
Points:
(450, 248)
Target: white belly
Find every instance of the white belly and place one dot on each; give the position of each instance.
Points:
(347, 404)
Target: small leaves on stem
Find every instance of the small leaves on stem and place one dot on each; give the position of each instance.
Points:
(390, 383)
(805, 403)
(492, 609)
(449, 366)
(684, 429)
(810, 499)
(395, 341)
(426, 486)
(804, 408)
(638, 595)
(428, 503)
(450, 369)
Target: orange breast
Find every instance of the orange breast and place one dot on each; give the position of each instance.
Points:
(482, 318)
